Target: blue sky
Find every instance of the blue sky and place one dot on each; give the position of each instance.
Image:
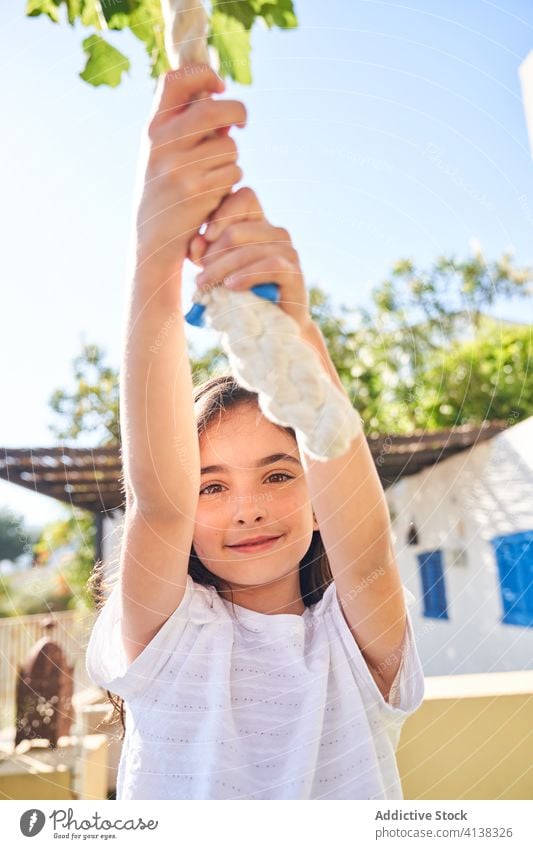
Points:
(377, 130)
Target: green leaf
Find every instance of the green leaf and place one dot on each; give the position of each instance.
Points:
(105, 64)
(232, 43)
(73, 10)
(117, 12)
(280, 13)
(90, 14)
(118, 7)
(242, 10)
(147, 25)
(43, 7)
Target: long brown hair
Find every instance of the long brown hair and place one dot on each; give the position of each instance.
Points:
(212, 398)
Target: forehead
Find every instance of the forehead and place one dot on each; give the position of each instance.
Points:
(241, 436)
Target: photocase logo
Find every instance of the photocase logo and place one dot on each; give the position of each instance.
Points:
(31, 822)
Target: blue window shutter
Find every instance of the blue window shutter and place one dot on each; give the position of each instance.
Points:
(433, 586)
(514, 556)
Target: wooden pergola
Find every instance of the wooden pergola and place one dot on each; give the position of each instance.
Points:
(87, 478)
(91, 478)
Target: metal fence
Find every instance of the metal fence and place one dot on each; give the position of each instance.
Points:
(18, 634)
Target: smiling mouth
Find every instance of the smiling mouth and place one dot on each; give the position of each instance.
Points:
(255, 546)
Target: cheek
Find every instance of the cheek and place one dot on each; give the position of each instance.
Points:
(297, 501)
(208, 528)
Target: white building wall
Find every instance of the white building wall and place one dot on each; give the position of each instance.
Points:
(464, 501)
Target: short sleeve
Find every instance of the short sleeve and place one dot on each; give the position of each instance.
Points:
(407, 689)
(106, 661)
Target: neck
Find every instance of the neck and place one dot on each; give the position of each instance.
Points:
(281, 596)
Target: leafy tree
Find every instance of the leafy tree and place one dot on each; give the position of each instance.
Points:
(230, 25)
(5, 595)
(399, 372)
(94, 405)
(70, 587)
(64, 589)
(92, 408)
(14, 539)
(487, 376)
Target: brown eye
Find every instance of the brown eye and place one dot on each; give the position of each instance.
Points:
(282, 474)
(209, 486)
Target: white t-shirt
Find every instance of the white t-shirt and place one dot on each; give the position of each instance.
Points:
(253, 706)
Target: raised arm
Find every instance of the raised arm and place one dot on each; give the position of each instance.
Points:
(186, 168)
(188, 165)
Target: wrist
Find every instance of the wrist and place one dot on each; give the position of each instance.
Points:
(307, 327)
(312, 334)
(157, 266)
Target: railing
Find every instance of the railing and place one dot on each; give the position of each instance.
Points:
(18, 634)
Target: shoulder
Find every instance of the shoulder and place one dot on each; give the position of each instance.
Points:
(199, 603)
(205, 604)
(326, 603)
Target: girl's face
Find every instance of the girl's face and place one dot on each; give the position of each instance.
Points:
(242, 499)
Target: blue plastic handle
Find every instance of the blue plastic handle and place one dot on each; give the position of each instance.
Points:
(267, 291)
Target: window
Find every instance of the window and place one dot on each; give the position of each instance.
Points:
(514, 556)
(433, 587)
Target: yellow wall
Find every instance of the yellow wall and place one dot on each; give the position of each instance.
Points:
(470, 739)
(36, 774)
(49, 785)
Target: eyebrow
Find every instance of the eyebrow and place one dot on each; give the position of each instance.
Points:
(264, 461)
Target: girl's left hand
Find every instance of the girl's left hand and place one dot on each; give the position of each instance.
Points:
(240, 248)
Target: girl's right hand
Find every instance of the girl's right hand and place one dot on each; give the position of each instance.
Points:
(188, 166)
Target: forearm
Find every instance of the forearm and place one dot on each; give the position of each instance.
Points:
(346, 491)
(311, 333)
(159, 439)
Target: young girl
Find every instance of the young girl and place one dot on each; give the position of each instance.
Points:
(258, 634)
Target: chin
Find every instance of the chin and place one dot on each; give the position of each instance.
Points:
(248, 573)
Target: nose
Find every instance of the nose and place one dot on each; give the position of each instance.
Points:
(248, 507)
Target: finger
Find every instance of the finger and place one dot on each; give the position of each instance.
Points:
(196, 250)
(223, 265)
(215, 184)
(206, 117)
(242, 204)
(211, 154)
(270, 269)
(231, 264)
(221, 178)
(202, 121)
(215, 152)
(175, 89)
(246, 232)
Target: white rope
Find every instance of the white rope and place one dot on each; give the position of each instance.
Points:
(186, 25)
(263, 345)
(268, 356)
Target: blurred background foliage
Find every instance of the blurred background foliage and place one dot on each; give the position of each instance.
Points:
(63, 556)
